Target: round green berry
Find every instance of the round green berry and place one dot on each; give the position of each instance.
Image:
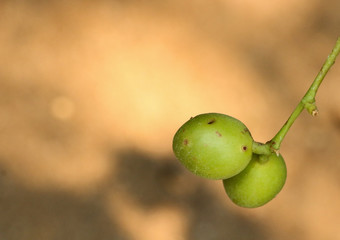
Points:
(213, 145)
(258, 183)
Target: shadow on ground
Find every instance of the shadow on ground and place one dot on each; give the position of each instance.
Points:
(153, 182)
(150, 182)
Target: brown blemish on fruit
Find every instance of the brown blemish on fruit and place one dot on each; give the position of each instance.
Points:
(244, 148)
(212, 121)
(185, 142)
(245, 131)
(219, 134)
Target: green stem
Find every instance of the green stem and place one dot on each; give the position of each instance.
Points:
(307, 102)
(260, 148)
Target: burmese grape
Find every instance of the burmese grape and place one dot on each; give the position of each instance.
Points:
(213, 145)
(258, 183)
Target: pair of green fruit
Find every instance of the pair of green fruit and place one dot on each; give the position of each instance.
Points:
(217, 146)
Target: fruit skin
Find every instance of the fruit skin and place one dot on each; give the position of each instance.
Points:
(213, 145)
(258, 183)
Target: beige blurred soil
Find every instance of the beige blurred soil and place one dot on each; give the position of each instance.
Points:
(92, 92)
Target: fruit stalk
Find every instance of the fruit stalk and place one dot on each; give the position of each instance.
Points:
(307, 102)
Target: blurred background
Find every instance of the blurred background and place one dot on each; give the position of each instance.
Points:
(92, 92)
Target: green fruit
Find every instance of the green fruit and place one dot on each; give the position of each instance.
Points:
(259, 183)
(213, 145)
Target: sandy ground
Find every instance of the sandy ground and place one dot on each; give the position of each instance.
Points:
(92, 92)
